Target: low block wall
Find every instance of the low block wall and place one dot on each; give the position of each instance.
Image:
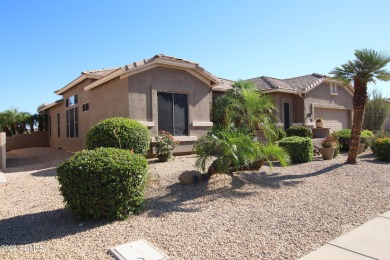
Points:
(3, 160)
(36, 139)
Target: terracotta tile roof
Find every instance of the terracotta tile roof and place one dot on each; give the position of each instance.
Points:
(305, 82)
(302, 83)
(224, 85)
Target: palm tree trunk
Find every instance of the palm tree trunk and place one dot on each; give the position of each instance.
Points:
(359, 101)
(32, 126)
(6, 130)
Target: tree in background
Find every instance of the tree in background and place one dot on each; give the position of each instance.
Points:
(367, 66)
(376, 111)
(14, 122)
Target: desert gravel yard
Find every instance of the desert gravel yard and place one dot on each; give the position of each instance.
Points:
(278, 213)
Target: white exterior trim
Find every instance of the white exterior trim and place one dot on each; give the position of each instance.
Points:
(147, 123)
(179, 138)
(207, 124)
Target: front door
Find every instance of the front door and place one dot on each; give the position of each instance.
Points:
(286, 115)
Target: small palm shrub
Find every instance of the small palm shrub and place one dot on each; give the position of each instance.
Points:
(381, 149)
(234, 150)
(106, 183)
(119, 132)
(299, 131)
(165, 144)
(299, 148)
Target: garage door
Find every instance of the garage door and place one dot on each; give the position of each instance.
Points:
(335, 119)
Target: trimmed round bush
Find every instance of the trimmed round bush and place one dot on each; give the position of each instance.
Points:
(381, 149)
(119, 132)
(299, 148)
(299, 131)
(106, 183)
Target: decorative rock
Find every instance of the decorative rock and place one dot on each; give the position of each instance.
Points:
(187, 177)
(193, 177)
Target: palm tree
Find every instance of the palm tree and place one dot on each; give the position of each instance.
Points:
(245, 107)
(368, 66)
(4, 124)
(14, 121)
(33, 121)
(22, 120)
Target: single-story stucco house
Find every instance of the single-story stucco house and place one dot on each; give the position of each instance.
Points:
(175, 95)
(301, 100)
(163, 93)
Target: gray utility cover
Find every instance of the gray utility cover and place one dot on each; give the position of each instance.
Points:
(138, 250)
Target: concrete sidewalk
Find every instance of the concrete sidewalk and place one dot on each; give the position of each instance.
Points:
(368, 241)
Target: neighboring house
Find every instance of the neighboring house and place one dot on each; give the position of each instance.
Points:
(301, 100)
(163, 93)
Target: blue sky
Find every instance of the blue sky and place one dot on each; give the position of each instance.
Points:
(46, 44)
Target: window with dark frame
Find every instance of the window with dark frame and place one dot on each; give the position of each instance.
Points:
(85, 107)
(58, 125)
(72, 123)
(173, 113)
(49, 126)
(71, 101)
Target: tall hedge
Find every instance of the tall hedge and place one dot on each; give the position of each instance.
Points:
(299, 131)
(106, 183)
(119, 132)
(299, 148)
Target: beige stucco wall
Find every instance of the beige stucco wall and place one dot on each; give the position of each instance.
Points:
(296, 106)
(143, 88)
(320, 97)
(106, 101)
(20, 141)
(135, 97)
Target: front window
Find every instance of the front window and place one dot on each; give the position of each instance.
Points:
(173, 113)
(72, 123)
(71, 101)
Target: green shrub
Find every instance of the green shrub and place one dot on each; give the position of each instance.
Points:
(118, 132)
(106, 183)
(368, 133)
(300, 149)
(345, 134)
(280, 134)
(381, 149)
(299, 131)
(165, 144)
